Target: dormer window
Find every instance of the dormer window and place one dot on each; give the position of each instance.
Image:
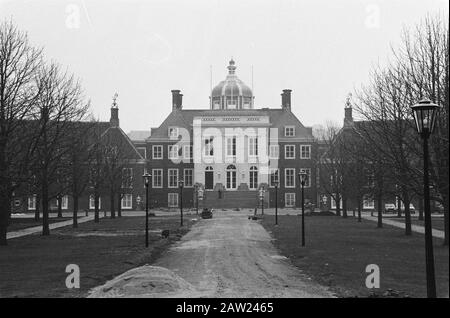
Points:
(289, 131)
(173, 132)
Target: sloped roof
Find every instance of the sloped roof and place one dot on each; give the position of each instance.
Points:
(184, 118)
(139, 135)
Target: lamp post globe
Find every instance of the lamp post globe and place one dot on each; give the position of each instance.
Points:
(425, 113)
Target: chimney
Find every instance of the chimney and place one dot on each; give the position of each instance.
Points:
(177, 99)
(286, 99)
(114, 120)
(348, 117)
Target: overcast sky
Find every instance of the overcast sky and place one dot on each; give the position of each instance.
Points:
(321, 50)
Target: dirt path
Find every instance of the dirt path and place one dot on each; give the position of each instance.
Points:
(231, 256)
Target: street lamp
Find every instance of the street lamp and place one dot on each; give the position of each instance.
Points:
(196, 196)
(425, 113)
(303, 176)
(181, 184)
(275, 183)
(146, 176)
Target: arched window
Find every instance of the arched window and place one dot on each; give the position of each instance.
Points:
(209, 168)
(253, 177)
(231, 177)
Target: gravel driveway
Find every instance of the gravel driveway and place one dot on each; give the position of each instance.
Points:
(231, 256)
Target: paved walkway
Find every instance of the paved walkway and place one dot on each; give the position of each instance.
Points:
(38, 229)
(414, 228)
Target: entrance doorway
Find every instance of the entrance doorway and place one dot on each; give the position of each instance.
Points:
(209, 178)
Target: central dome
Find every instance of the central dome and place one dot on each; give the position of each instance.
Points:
(231, 93)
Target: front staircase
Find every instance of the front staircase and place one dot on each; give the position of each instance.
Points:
(232, 199)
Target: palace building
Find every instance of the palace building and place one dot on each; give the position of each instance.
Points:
(230, 155)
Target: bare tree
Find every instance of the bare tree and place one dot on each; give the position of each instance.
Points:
(19, 62)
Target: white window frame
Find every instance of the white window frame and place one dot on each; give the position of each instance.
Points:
(286, 128)
(170, 133)
(208, 146)
(145, 151)
(292, 199)
(168, 178)
(154, 147)
(251, 172)
(173, 195)
(368, 203)
(252, 146)
(286, 147)
(173, 151)
(65, 202)
(186, 185)
(229, 146)
(32, 201)
(187, 151)
(286, 177)
(92, 202)
(161, 178)
(301, 151)
(274, 151)
(127, 201)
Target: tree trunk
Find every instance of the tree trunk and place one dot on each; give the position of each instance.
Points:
(344, 208)
(75, 211)
(113, 212)
(37, 211)
(119, 205)
(446, 227)
(96, 208)
(406, 203)
(338, 206)
(380, 210)
(420, 209)
(5, 212)
(359, 210)
(399, 207)
(59, 198)
(45, 223)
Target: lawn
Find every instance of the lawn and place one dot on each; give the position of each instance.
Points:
(436, 222)
(34, 266)
(338, 250)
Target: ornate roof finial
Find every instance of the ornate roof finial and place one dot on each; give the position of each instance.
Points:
(114, 104)
(231, 67)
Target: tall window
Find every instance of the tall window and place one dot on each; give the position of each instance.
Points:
(289, 177)
(289, 151)
(65, 202)
(173, 178)
(274, 177)
(173, 151)
(289, 199)
(274, 151)
(127, 178)
(157, 178)
(231, 146)
(127, 201)
(32, 202)
(305, 152)
(209, 147)
(187, 151)
(308, 179)
(231, 177)
(368, 203)
(157, 152)
(188, 177)
(172, 199)
(252, 146)
(253, 177)
(289, 131)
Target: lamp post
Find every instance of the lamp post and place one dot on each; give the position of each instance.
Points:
(181, 184)
(146, 176)
(276, 202)
(196, 197)
(425, 113)
(302, 177)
